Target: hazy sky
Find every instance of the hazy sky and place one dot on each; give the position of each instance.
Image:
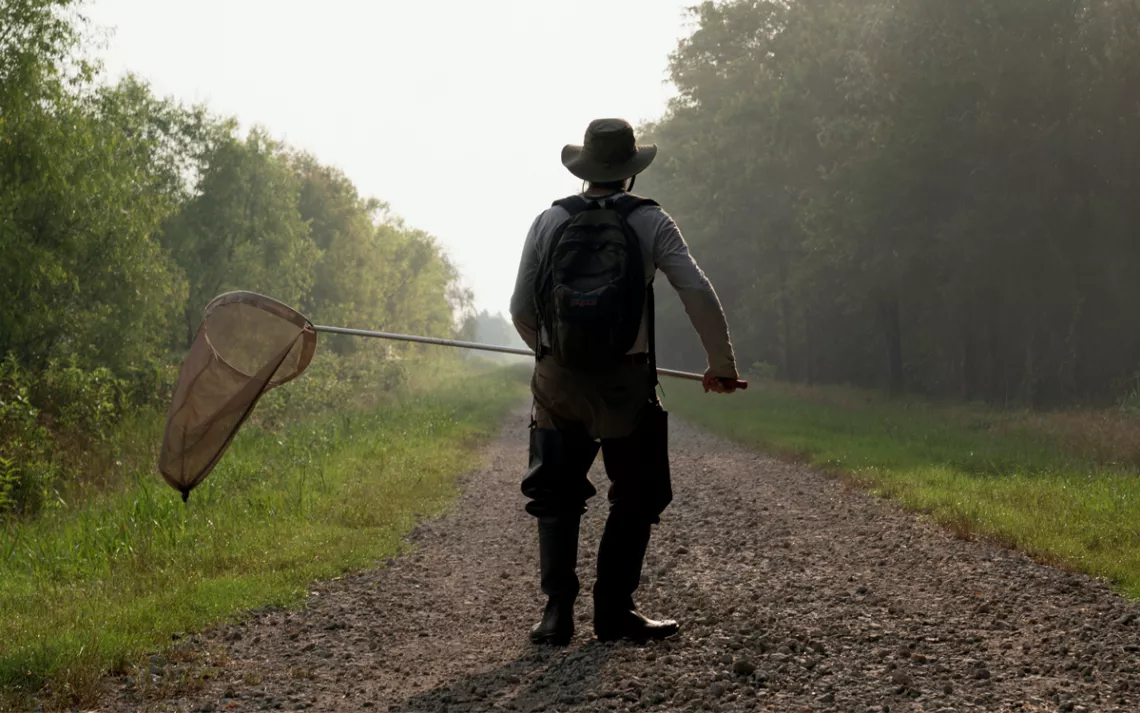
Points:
(443, 108)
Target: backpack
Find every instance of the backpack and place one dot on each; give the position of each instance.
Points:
(590, 291)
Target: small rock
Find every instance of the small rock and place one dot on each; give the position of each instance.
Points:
(826, 699)
(743, 667)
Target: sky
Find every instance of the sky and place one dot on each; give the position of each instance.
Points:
(454, 112)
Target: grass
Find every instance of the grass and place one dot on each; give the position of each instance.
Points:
(1063, 487)
(93, 588)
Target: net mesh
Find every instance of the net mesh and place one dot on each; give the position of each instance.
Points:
(247, 345)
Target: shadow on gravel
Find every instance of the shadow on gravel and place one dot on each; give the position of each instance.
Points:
(538, 679)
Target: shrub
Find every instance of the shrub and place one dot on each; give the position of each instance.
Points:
(27, 468)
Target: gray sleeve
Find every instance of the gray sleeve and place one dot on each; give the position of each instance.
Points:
(522, 301)
(671, 254)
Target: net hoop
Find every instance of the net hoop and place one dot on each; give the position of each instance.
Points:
(275, 307)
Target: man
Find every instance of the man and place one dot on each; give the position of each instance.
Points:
(610, 403)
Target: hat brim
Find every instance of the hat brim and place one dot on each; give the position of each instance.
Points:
(578, 162)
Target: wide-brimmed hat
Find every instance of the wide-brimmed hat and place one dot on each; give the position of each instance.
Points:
(609, 153)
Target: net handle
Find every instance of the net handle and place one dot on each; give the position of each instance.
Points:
(518, 351)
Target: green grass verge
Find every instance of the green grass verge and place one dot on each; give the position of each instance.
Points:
(1026, 480)
(89, 589)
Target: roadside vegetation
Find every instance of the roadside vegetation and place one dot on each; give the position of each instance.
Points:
(122, 214)
(1063, 486)
(94, 584)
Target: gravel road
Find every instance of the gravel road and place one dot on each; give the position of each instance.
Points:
(795, 593)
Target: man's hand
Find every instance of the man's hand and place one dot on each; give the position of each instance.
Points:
(719, 384)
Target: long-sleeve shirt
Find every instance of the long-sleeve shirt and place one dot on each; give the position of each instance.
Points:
(664, 249)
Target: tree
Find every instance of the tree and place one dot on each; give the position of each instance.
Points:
(913, 194)
(243, 228)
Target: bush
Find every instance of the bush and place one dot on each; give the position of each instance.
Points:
(82, 402)
(50, 423)
(333, 381)
(27, 469)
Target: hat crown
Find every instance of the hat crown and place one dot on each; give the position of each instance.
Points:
(610, 141)
(609, 153)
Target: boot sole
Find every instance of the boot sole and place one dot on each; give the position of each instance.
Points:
(640, 637)
(551, 639)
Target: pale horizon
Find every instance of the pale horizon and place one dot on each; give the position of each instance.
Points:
(436, 108)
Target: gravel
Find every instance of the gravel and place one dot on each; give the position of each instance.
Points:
(794, 591)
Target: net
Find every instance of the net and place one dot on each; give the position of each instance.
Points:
(247, 344)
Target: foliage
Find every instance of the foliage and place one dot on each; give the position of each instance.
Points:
(335, 382)
(52, 421)
(123, 214)
(242, 228)
(913, 194)
(26, 468)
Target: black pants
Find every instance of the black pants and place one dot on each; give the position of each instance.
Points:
(637, 465)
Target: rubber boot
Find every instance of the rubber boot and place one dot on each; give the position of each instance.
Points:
(620, 557)
(558, 560)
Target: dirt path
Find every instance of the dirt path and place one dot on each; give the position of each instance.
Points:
(794, 594)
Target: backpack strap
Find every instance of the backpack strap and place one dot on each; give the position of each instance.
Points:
(571, 204)
(625, 205)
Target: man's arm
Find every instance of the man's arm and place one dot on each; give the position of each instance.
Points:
(671, 254)
(522, 301)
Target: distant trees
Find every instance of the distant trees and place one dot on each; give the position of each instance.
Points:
(122, 215)
(486, 328)
(914, 194)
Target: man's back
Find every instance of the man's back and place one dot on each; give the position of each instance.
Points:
(663, 248)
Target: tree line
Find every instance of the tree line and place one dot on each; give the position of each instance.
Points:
(122, 214)
(920, 195)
